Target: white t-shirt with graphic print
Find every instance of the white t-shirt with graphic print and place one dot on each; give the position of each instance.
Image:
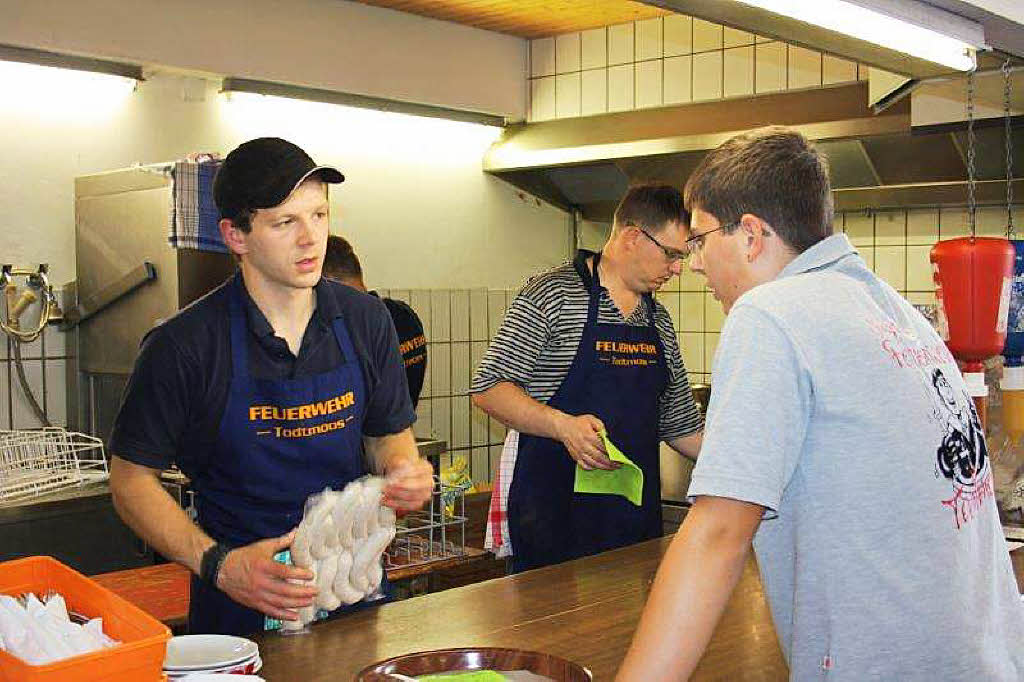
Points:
(836, 406)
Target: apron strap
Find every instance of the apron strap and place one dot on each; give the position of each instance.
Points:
(580, 264)
(592, 283)
(652, 310)
(239, 338)
(344, 340)
(648, 300)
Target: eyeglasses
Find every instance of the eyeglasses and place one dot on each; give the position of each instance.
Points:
(696, 242)
(671, 254)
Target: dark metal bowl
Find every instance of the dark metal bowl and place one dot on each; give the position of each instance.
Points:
(479, 658)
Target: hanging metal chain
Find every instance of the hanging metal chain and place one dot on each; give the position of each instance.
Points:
(1010, 232)
(972, 206)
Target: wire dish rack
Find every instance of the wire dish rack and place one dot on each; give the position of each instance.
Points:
(435, 533)
(39, 461)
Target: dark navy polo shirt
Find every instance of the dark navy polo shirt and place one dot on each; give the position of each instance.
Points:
(172, 406)
(412, 344)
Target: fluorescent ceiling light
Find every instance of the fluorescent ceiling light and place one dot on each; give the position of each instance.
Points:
(243, 85)
(341, 131)
(48, 83)
(37, 74)
(877, 27)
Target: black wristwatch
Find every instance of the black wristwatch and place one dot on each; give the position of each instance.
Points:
(213, 559)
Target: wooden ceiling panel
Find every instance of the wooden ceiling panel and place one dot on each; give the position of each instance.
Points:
(527, 18)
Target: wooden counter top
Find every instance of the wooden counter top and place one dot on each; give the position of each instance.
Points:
(162, 591)
(584, 610)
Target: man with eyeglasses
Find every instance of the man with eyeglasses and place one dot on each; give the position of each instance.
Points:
(585, 349)
(826, 448)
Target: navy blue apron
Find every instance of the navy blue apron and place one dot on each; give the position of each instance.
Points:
(280, 440)
(618, 375)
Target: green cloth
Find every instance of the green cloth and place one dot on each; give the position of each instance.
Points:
(471, 676)
(627, 480)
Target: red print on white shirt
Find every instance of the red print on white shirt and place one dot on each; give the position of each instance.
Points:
(904, 348)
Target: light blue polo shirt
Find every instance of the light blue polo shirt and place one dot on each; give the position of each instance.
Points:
(836, 406)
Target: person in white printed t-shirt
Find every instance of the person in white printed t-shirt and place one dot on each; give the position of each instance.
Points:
(828, 447)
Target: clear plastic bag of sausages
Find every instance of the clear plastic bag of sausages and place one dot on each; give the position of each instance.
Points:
(341, 538)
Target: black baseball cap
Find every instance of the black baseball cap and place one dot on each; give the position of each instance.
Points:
(261, 173)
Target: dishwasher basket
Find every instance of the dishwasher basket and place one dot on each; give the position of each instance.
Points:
(39, 461)
(433, 534)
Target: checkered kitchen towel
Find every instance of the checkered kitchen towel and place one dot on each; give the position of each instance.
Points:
(496, 537)
(194, 216)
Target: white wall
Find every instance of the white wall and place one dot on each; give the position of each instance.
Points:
(593, 235)
(416, 204)
(421, 213)
(330, 44)
(1011, 9)
(945, 101)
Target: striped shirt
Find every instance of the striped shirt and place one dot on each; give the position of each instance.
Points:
(538, 339)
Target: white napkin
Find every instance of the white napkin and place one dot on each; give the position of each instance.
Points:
(39, 633)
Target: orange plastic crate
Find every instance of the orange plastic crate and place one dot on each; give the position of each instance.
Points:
(139, 657)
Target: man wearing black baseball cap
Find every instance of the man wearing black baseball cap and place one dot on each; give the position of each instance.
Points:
(265, 391)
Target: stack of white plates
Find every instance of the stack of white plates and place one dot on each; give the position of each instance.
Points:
(211, 654)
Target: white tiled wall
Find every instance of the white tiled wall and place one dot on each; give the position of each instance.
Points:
(666, 61)
(895, 243)
(458, 323)
(620, 88)
(45, 361)
(770, 67)
(803, 68)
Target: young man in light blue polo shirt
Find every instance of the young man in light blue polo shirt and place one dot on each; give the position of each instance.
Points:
(840, 441)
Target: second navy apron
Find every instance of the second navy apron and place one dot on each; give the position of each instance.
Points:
(617, 375)
(270, 455)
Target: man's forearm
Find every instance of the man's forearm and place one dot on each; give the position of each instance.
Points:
(152, 513)
(385, 453)
(688, 446)
(691, 590)
(410, 478)
(509, 404)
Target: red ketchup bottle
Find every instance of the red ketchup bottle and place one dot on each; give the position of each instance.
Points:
(973, 277)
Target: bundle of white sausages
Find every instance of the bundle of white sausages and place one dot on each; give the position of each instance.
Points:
(341, 539)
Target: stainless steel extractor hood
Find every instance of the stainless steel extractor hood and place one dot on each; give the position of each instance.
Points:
(877, 160)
